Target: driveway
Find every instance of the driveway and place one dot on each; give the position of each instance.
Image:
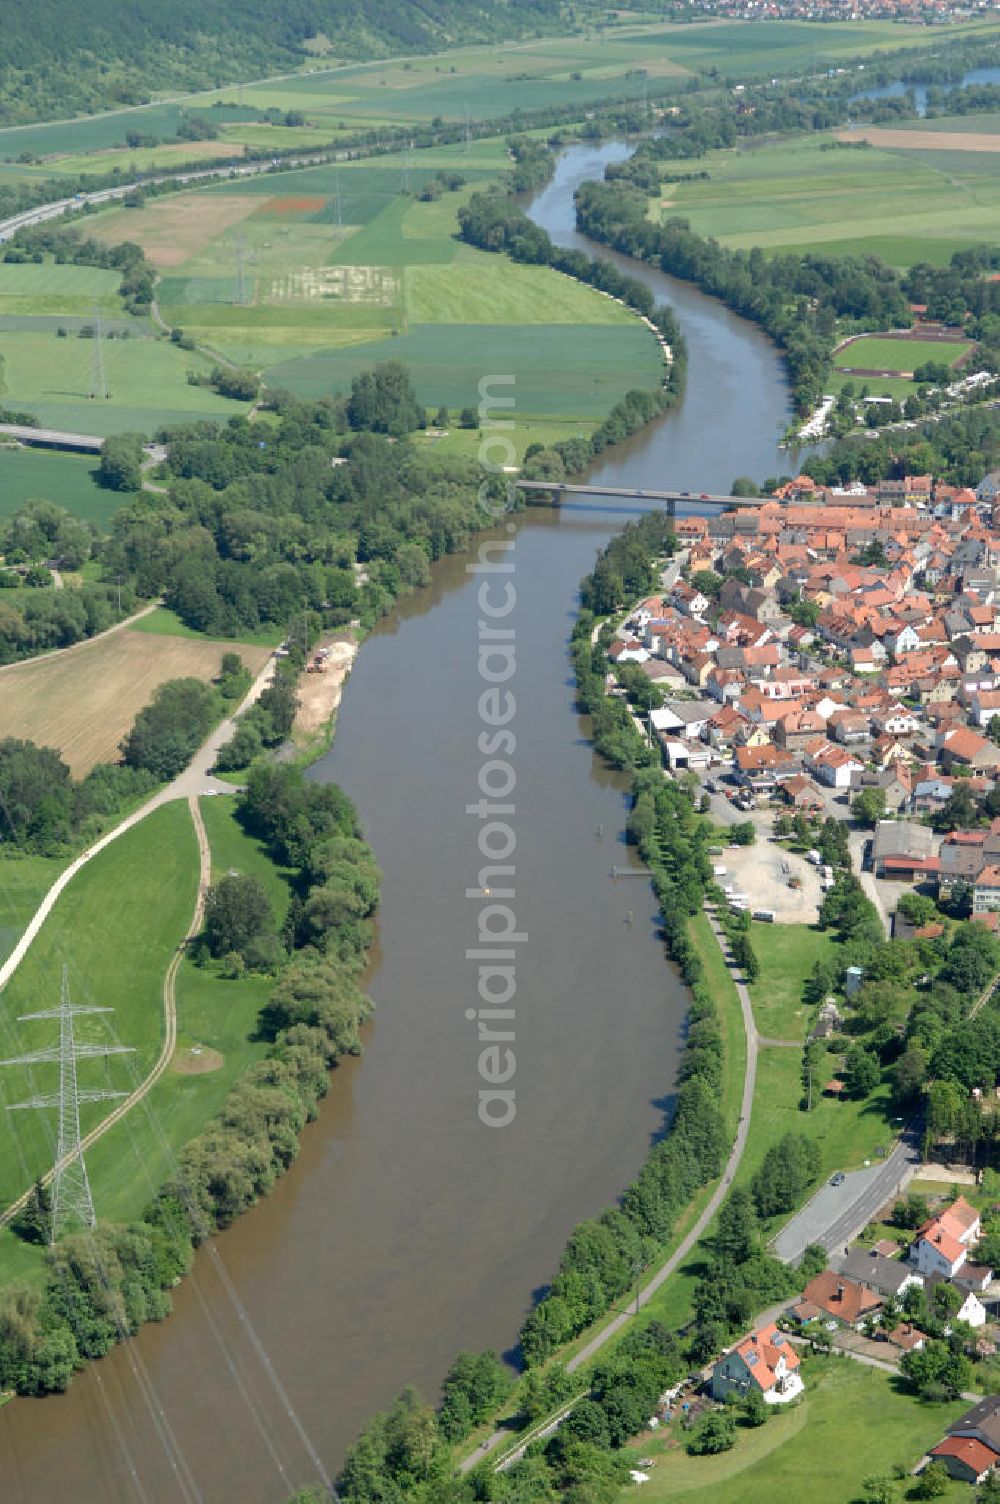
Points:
(836, 1214)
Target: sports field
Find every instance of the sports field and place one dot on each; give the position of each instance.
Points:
(69, 480)
(902, 203)
(84, 700)
(320, 273)
(901, 356)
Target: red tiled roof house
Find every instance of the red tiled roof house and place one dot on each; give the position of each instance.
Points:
(764, 1361)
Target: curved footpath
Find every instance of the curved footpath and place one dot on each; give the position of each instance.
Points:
(686, 1244)
(196, 779)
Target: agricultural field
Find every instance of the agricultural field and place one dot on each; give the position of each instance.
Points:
(885, 1425)
(321, 273)
(806, 194)
(83, 700)
(485, 81)
(47, 362)
(68, 480)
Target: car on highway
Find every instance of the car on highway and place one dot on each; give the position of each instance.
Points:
(837, 1179)
(705, 496)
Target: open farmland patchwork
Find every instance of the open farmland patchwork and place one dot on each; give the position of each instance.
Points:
(320, 273)
(903, 201)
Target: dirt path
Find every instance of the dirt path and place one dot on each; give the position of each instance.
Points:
(169, 1010)
(195, 779)
(691, 1238)
(76, 647)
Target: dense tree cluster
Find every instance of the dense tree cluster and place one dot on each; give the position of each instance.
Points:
(959, 448)
(260, 531)
(198, 44)
(166, 735)
(42, 810)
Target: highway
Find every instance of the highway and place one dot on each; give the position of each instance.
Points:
(53, 438)
(60, 206)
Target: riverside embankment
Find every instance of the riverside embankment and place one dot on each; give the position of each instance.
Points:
(406, 1230)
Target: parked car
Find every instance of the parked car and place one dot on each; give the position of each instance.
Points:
(837, 1179)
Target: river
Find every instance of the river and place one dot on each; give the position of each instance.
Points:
(407, 1231)
(897, 89)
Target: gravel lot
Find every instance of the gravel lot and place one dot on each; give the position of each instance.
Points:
(762, 871)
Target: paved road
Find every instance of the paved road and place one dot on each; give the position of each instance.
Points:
(836, 1214)
(691, 1238)
(857, 839)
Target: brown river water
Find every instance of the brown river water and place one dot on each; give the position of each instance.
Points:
(407, 1230)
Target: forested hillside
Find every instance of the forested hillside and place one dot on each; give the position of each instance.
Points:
(61, 58)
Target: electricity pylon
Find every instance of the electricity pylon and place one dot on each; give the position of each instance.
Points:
(241, 299)
(98, 380)
(72, 1201)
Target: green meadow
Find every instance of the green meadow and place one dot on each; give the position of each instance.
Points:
(806, 194)
(147, 380)
(69, 480)
(47, 364)
(852, 1422)
(116, 927)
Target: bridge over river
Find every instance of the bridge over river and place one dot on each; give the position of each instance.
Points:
(670, 499)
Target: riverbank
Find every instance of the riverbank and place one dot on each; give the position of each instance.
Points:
(500, 1204)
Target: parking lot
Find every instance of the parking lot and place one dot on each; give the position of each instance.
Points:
(762, 872)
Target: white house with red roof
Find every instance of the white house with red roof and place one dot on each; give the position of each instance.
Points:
(944, 1242)
(764, 1361)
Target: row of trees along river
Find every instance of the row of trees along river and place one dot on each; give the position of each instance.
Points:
(406, 1231)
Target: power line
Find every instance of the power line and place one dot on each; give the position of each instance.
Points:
(241, 298)
(72, 1200)
(98, 379)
